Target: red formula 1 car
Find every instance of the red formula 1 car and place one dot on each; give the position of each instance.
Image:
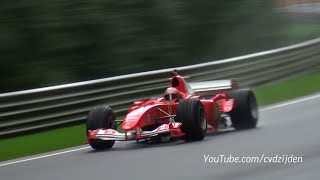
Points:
(186, 111)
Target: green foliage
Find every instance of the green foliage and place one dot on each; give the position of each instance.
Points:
(45, 43)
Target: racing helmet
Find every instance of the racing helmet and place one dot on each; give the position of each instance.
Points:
(171, 94)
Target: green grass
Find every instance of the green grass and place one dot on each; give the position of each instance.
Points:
(301, 86)
(42, 142)
(72, 136)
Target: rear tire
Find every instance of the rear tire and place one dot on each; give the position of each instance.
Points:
(245, 115)
(192, 115)
(101, 117)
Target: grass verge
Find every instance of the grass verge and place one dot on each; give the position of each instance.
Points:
(290, 89)
(72, 136)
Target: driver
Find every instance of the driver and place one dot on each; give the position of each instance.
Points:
(171, 94)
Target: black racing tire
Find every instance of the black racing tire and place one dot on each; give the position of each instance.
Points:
(191, 114)
(245, 115)
(101, 117)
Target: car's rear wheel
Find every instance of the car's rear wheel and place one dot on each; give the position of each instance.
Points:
(101, 117)
(192, 115)
(245, 115)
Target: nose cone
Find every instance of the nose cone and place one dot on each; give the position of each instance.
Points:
(131, 120)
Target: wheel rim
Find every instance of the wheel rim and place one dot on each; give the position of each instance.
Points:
(253, 107)
(203, 120)
(111, 122)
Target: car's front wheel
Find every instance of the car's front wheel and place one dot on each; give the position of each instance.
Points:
(191, 114)
(101, 117)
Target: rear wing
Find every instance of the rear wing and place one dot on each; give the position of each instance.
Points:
(213, 87)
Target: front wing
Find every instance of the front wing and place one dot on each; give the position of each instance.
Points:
(173, 129)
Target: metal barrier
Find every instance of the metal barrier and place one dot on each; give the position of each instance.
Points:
(37, 109)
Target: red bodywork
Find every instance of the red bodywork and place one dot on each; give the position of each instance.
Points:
(151, 118)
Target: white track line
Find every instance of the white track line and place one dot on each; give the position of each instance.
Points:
(44, 156)
(291, 102)
(82, 148)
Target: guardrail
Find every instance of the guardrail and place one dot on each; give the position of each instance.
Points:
(37, 109)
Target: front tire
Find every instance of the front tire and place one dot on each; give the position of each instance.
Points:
(101, 117)
(191, 114)
(245, 115)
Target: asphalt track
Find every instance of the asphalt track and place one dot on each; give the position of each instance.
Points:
(284, 129)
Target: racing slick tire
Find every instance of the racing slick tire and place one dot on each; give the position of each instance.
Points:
(192, 115)
(245, 115)
(101, 117)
